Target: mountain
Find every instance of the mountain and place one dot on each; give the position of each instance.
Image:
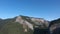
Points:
(54, 25)
(22, 25)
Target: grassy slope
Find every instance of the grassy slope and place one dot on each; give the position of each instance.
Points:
(12, 28)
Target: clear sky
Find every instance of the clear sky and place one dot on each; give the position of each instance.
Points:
(47, 9)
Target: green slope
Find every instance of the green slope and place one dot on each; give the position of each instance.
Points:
(12, 28)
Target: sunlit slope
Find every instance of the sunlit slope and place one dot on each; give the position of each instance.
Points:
(13, 28)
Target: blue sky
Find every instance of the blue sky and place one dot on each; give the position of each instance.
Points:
(47, 9)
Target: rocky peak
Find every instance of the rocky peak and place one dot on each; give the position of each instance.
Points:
(31, 22)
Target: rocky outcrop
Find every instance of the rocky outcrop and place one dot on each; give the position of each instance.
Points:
(31, 22)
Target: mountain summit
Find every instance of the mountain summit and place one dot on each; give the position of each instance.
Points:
(32, 22)
(22, 24)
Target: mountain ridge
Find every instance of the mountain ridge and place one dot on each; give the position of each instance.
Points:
(22, 24)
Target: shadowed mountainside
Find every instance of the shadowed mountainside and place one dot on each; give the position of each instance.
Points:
(54, 26)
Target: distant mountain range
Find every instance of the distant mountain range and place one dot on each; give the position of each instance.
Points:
(24, 24)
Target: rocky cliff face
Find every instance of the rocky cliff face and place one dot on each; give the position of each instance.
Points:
(31, 22)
